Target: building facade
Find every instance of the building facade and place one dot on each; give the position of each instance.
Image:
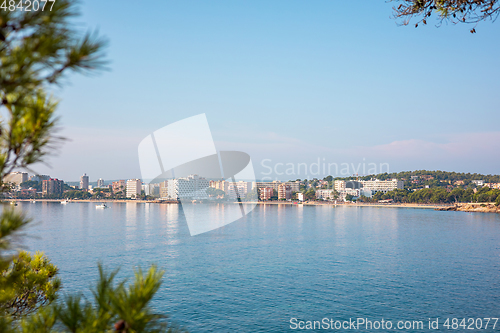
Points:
(190, 187)
(151, 189)
(84, 182)
(328, 194)
(265, 193)
(285, 192)
(134, 187)
(39, 178)
(238, 189)
(369, 186)
(52, 187)
(100, 183)
(275, 185)
(495, 186)
(382, 185)
(119, 185)
(16, 178)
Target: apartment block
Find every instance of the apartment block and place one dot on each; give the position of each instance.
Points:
(119, 185)
(265, 193)
(238, 189)
(219, 185)
(275, 185)
(84, 182)
(164, 189)
(382, 185)
(16, 178)
(52, 187)
(151, 189)
(285, 192)
(374, 185)
(39, 178)
(134, 187)
(325, 194)
(191, 187)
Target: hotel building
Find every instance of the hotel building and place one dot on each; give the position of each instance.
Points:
(133, 188)
(84, 182)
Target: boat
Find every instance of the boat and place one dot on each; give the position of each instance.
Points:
(101, 206)
(13, 203)
(34, 201)
(64, 202)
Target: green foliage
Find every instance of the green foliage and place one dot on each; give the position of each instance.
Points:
(215, 193)
(253, 195)
(33, 283)
(33, 184)
(454, 11)
(115, 307)
(310, 194)
(439, 195)
(36, 49)
(11, 223)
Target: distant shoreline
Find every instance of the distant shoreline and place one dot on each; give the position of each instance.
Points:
(392, 205)
(462, 207)
(293, 203)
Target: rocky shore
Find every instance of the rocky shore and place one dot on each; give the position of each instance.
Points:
(482, 207)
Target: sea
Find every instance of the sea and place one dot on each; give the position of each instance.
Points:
(288, 268)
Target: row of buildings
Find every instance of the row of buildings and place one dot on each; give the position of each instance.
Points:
(356, 188)
(195, 187)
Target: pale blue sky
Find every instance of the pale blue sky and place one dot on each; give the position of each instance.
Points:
(291, 81)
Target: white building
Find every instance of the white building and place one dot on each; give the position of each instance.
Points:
(275, 185)
(238, 189)
(151, 189)
(84, 182)
(16, 178)
(478, 182)
(100, 183)
(39, 178)
(325, 194)
(193, 187)
(374, 185)
(133, 188)
(382, 185)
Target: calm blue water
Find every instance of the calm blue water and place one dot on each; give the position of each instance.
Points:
(284, 262)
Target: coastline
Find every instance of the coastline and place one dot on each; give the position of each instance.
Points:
(461, 207)
(393, 205)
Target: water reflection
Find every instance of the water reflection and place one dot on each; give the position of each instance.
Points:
(283, 260)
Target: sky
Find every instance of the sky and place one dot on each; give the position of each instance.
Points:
(288, 82)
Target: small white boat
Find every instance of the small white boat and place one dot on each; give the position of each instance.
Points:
(34, 201)
(101, 206)
(13, 203)
(64, 202)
